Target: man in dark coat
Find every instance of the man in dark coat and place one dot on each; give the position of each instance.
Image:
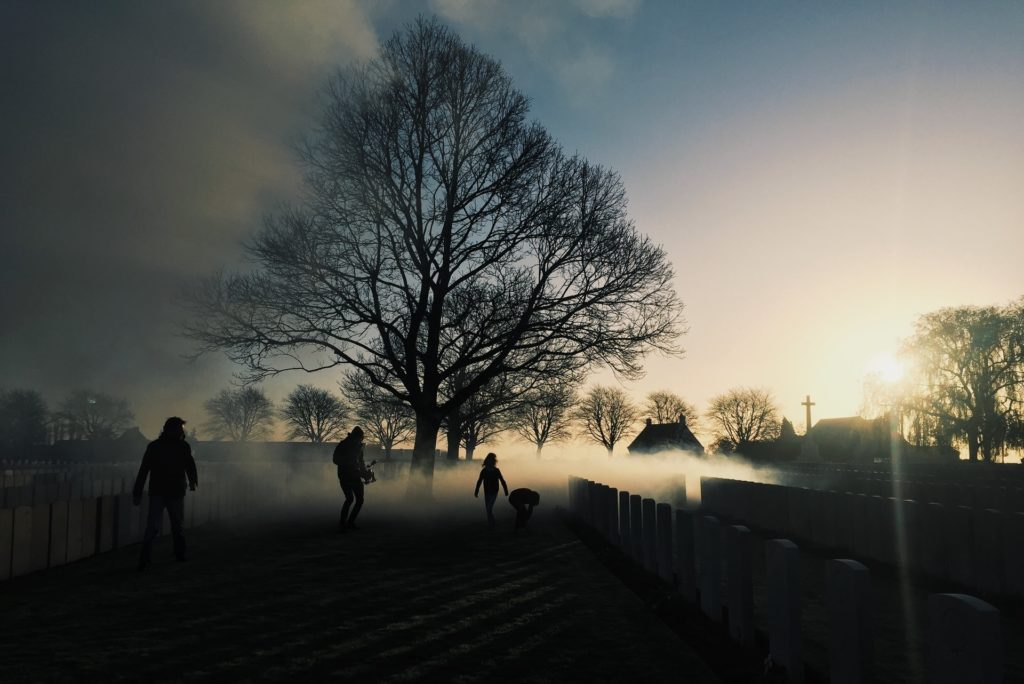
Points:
(168, 463)
(348, 456)
(523, 500)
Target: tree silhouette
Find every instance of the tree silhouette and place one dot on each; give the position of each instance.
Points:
(388, 420)
(431, 196)
(666, 407)
(94, 415)
(23, 418)
(968, 383)
(607, 415)
(742, 415)
(314, 414)
(239, 415)
(545, 416)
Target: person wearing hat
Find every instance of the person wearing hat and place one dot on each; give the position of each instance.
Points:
(348, 456)
(168, 464)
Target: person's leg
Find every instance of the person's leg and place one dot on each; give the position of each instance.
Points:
(156, 510)
(357, 489)
(520, 517)
(527, 514)
(489, 500)
(176, 512)
(346, 488)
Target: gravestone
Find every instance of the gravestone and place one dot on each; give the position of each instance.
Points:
(650, 539)
(127, 520)
(664, 521)
(612, 513)
(625, 541)
(739, 583)
(933, 540)
(90, 508)
(58, 533)
(709, 551)
(636, 527)
(784, 639)
(959, 544)
(592, 501)
(74, 530)
(600, 508)
(1013, 553)
(848, 599)
(40, 536)
(686, 571)
(964, 641)
(987, 557)
(105, 524)
(21, 548)
(6, 541)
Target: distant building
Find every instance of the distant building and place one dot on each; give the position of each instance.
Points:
(851, 439)
(665, 437)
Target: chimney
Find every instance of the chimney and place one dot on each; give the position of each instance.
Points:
(682, 419)
(648, 421)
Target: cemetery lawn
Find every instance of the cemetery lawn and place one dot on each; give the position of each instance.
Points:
(443, 600)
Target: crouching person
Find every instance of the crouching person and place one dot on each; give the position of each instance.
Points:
(523, 500)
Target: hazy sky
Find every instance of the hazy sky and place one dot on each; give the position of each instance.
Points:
(819, 173)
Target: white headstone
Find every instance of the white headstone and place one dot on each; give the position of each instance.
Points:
(709, 553)
(848, 598)
(664, 522)
(739, 583)
(58, 533)
(650, 539)
(21, 549)
(1013, 553)
(74, 530)
(6, 541)
(40, 536)
(784, 639)
(625, 541)
(636, 527)
(686, 571)
(612, 513)
(964, 641)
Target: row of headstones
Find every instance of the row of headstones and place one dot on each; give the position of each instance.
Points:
(48, 535)
(698, 554)
(1009, 499)
(956, 472)
(977, 549)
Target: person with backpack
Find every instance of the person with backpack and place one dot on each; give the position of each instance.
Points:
(168, 464)
(348, 456)
(490, 476)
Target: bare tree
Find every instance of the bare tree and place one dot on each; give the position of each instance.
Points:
(386, 418)
(667, 407)
(743, 415)
(488, 413)
(239, 415)
(545, 416)
(23, 418)
(607, 415)
(429, 193)
(314, 414)
(94, 415)
(968, 380)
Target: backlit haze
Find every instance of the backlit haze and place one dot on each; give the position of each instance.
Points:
(820, 174)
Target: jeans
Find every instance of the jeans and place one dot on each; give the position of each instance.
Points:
(489, 499)
(353, 489)
(175, 506)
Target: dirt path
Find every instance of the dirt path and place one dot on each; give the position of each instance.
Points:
(447, 601)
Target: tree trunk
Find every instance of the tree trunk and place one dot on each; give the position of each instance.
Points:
(421, 471)
(610, 451)
(454, 434)
(470, 449)
(539, 447)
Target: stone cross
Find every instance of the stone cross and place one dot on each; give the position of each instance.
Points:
(808, 404)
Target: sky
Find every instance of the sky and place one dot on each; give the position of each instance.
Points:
(820, 174)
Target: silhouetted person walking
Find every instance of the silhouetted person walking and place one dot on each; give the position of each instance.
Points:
(348, 456)
(168, 463)
(490, 476)
(523, 500)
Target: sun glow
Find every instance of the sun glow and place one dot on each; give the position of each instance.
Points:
(886, 367)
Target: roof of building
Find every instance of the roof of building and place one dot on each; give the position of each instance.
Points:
(664, 436)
